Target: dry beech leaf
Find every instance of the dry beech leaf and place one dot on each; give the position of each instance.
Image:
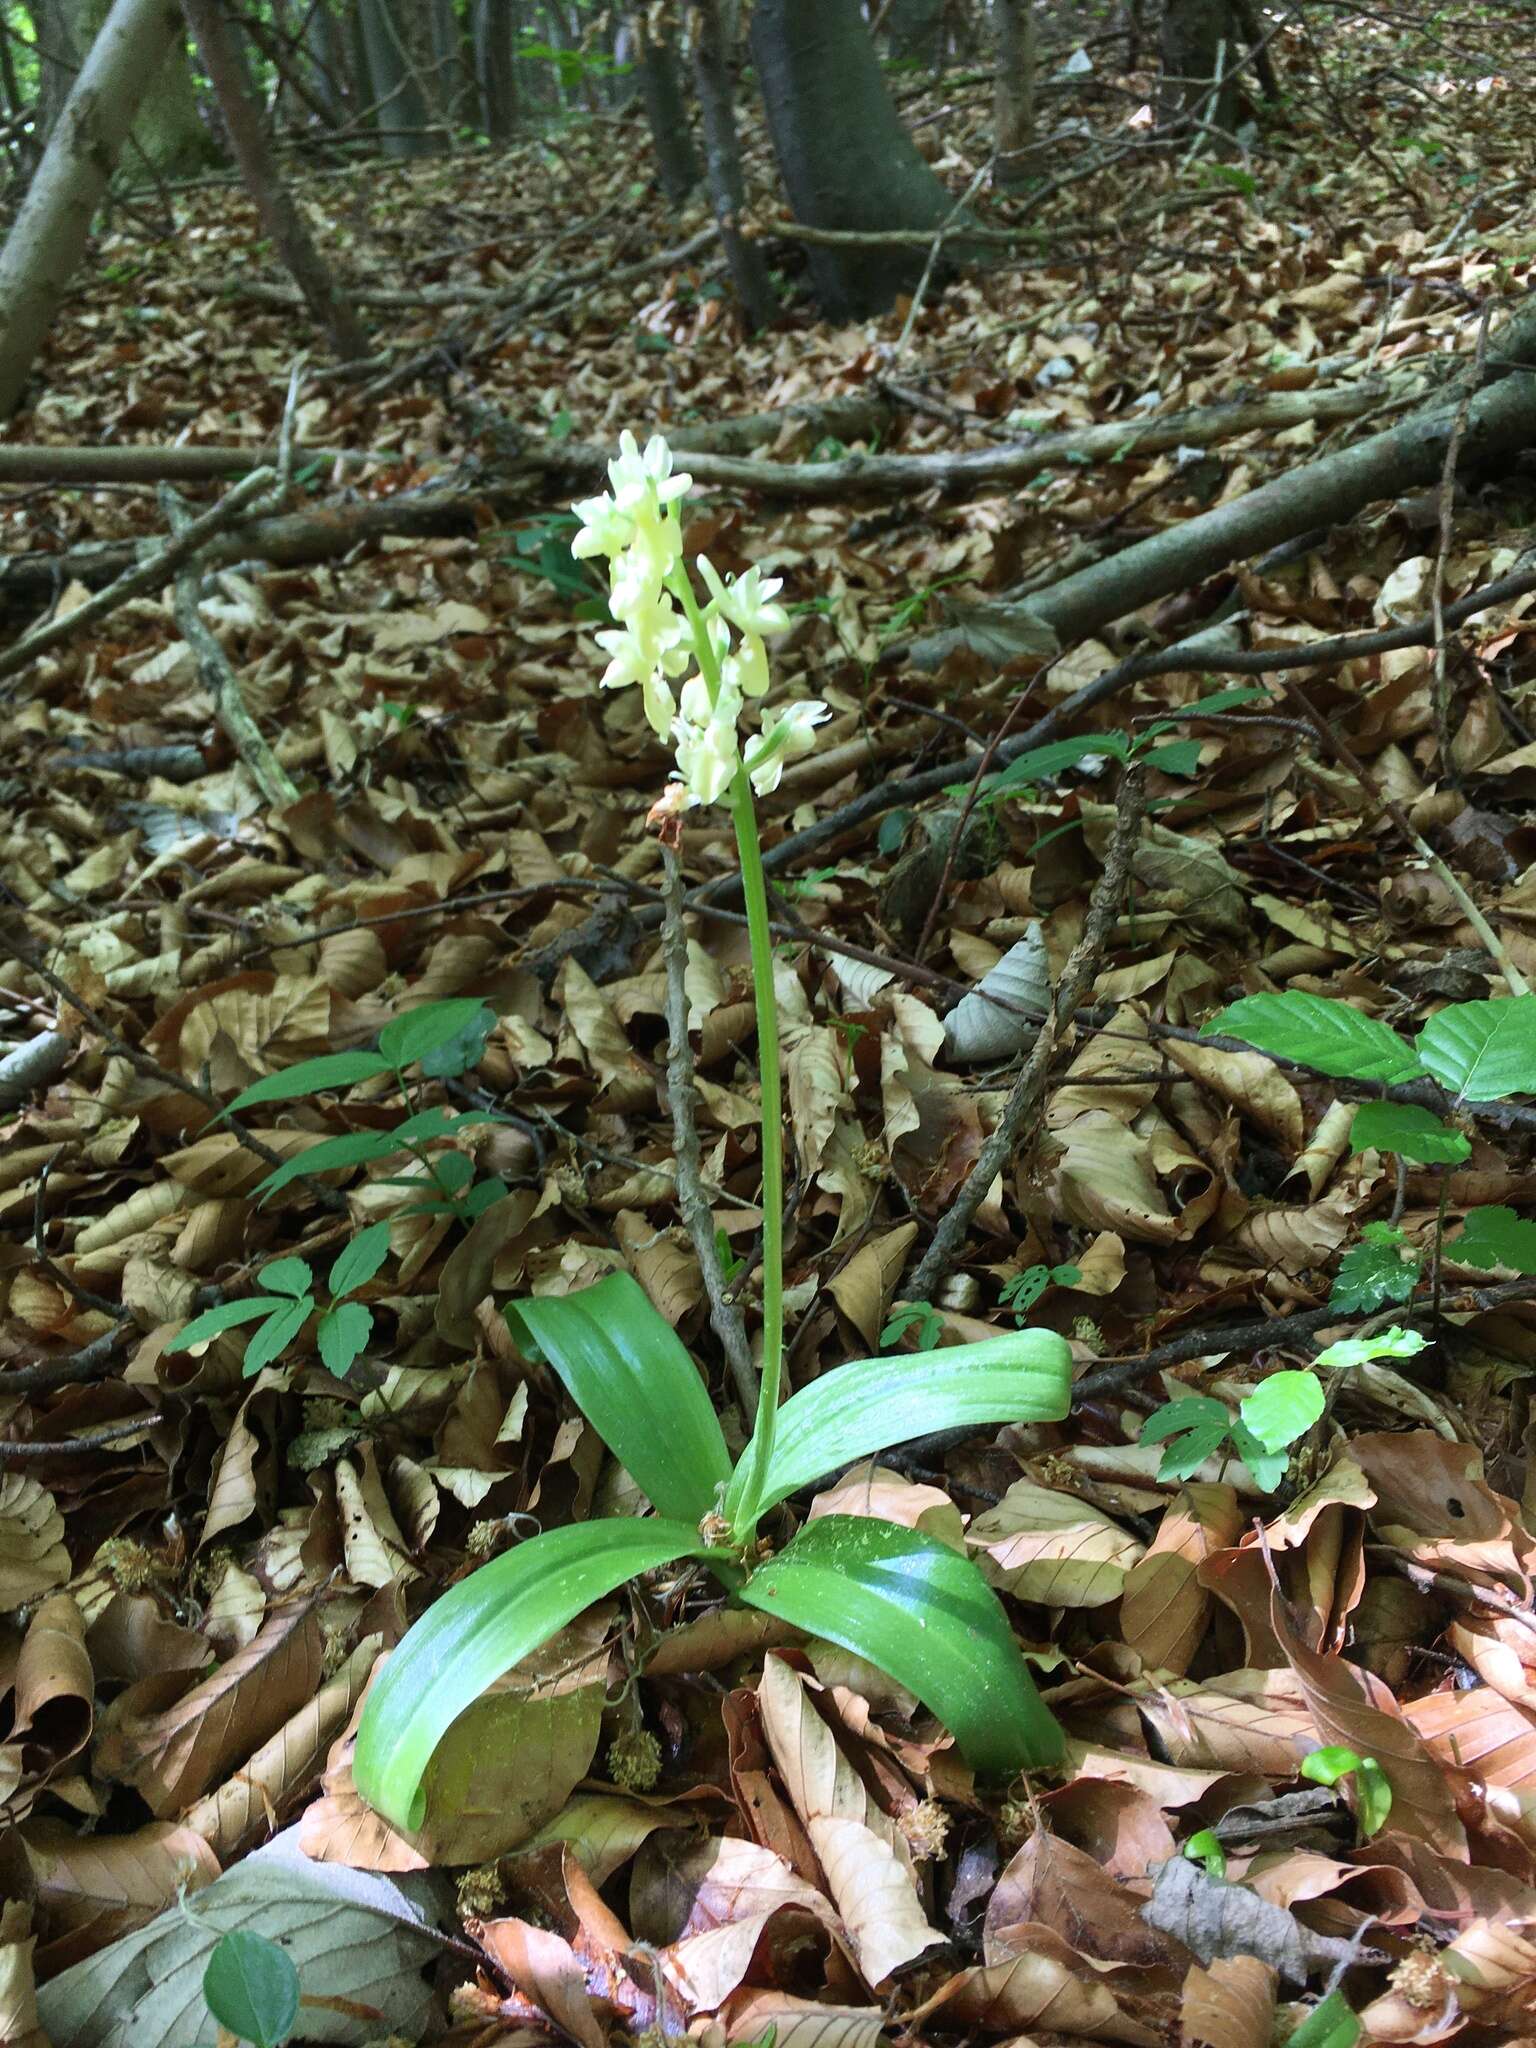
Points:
(1053, 1548)
(173, 1756)
(1229, 2005)
(978, 1029)
(866, 1286)
(869, 1489)
(92, 1890)
(545, 1969)
(33, 1559)
(817, 1093)
(603, 1831)
(875, 1895)
(54, 1687)
(1164, 1607)
(1046, 1987)
(18, 1984)
(817, 1775)
(1051, 1884)
(802, 2022)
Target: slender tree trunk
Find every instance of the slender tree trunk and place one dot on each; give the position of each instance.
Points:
(844, 156)
(453, 65)
(49, 234)
(722, 158)
(1013, 96)
(666, 111)
(394, 93)
(326, 68)
(58, 62)
(496, 24)
(1202, 41)
(915, 29)
(224, 62)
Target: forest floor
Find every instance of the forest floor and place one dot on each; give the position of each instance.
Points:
(199, 1571)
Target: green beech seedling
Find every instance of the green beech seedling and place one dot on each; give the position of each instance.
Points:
(913, 1606)
(1373, 1794)
(1278, 1411)
(252, 1989)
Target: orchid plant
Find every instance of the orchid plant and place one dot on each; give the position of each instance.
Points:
(915, 1606)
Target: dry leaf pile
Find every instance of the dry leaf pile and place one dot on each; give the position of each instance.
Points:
(675, 1820)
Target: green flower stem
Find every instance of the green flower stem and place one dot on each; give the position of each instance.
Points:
(754, 889)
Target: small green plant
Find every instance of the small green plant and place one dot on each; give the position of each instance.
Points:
(1173, 757)
(1330, 2024)
(542, 547)
(1373, 1793)
(443, 1040)
(918, 1609)
(1025, 1289)
(1204, 1849)
(252, 1989)
(919, 1316)
(1381, 1269)
(1278, 1411)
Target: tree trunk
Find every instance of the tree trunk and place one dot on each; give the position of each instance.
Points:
(224, 61)
(915, 31)
(844, 156)
(58, 62)
(1013, 96)
(453, 66)
(1202, 41)
(326, 79)
(712, 72)
(496, 23)
(394, 94)
(49, 234)
(661, 87)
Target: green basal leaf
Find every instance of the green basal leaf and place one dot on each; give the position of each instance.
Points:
(1330, 2024)
(213, 1322)
(342, 1333)
(357, 1262)
(309, 1077)
(1205, 1848)
(1393, 1343)
(1327, 1765)
(1495, 1236)
(876, 1402)
(1283, 1408)
(925, 1615)
(405, 1040)
(252, 1988)
(1317, 1032)
(478, 1630)
(1374, 1790)
(629, 1373)
(287, 1276)
(1408, 1132)
(275, 1335)
(1483, 1052)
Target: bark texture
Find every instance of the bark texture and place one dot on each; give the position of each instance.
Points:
(1199, 38)
(712, 70)
(666, 112)
(843, 153)
(1013, 91)
(398, 102)
(50, 231)
(224, 61)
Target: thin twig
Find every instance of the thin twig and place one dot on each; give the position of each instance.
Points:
(1023, 1105)
(50, 1265)
(1439, 695)
(88, 1439)
(691, 1200)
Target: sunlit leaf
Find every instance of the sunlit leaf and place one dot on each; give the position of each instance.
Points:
(1318, 1032)
(1483, 1052)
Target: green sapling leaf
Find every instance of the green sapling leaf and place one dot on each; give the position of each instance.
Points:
(252, 1988)
(360, 1260)
(1283, 1408)
(1407, 1132)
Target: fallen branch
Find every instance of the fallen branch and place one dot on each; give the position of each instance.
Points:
(150, 572)
(33, 1065)
(218, 675)
(1500, 419)
(1022, 1109)
(25, 463)
(88, 1440)
(724, 1313)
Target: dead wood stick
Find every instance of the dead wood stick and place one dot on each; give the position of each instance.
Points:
(1265, 1333)
(219, 679)
(724, 1313)
(132, 463)
(88, 1440)
(151, 573)
(33, 1065)
(1022, 1108)
(93, 1362)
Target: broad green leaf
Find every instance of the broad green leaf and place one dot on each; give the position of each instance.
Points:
(1195, 1411)
(354, 1148)
(1372, 1274)
(1482, 1052)
(923, 1614)
(213, 1322)
(287, 1276)
(464, 1050)
(1327, 1765)
(358, 1261)
(478, 1630)
(1187, 1452)
(1330, 2024)
(342, 1333)
(1393, 1343)
(1205, 1848)
(1495, 1236)
(629, 1373)
(1283, 1408)
(1267, 1466)
(309, 1077)
(1058, 755)
(252, 1988)
(1175, 757)
(1315, 1031)
(1375, 1797)
(1409, 1132)
(876, 1402)
(404, 1040)
(453, 1171)
(275, 1335)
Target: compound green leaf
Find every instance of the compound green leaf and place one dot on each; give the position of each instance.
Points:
(1494, 1235)
(1316, 1031)
(358, 1261)
(925, 1615)
(213, 1322)
(1483, 1051)
(873, 1403)
(275, 1335)
(309, 1077)
(342, 1333)
(478, 1630)
(629, 1373)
